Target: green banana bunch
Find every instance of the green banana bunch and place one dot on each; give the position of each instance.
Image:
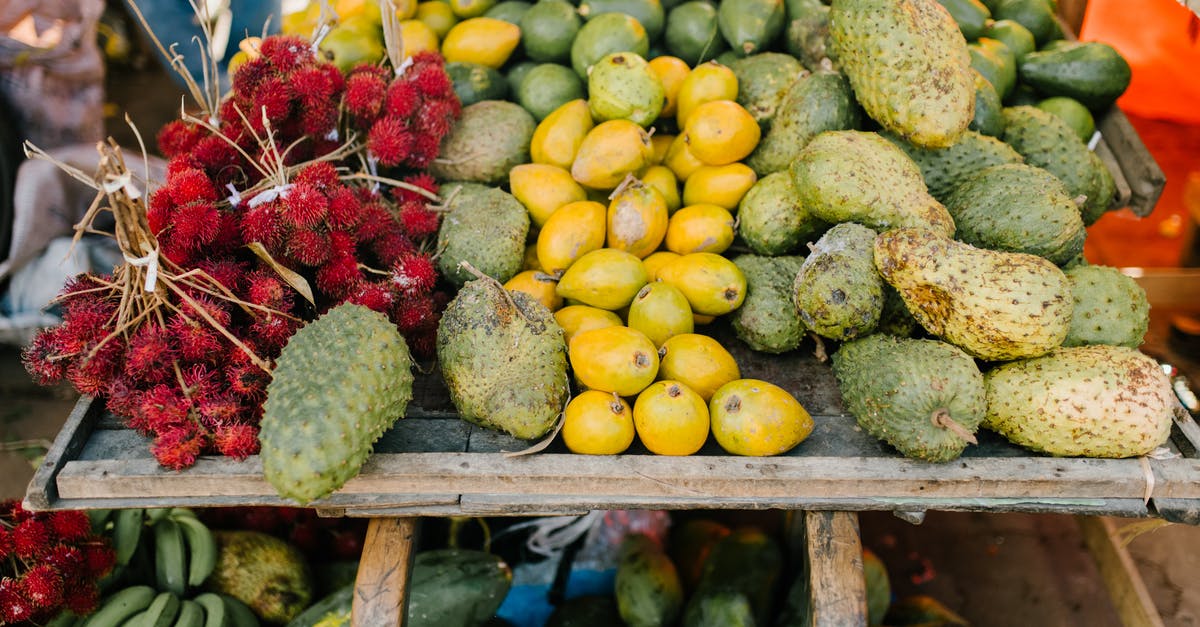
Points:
(143, 606)
(185, 551)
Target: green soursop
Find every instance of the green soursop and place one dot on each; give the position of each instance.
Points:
(264, 572)
(853, 176)
(340, 382)
(813, 103)
(909, 66)
(489, 139)
(945, 168)
(924, 397)
(504, 359)
(1092, 401)
(763, 80)
(1110, 308)
(772, 220)
(1018, 208)
(837, 292)
(767, 321)
(994, 305)
(485, 227)
(896, 319)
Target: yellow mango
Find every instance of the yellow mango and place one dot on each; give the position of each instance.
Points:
(605, 278)
(697, 361)
(598, 423)
(417, 37)
(557, 138)
(660, 311)
(661, 178)
(671, 72)
(671, 418)
(538, 285)
(483, 40)
(530, 262)
(680, 160)
(405, 9)
(470, 8)
(721, 185)
(637, 219)
(574, 230)
(368, 9)
(712, 284)
(707, 82)
(700, 228)
(659, 144)
(752, 417)
(543, 189)
(437, 16)
(721, 132)
(613, 359)
(578, 318)
(301, 23)
(610, 152)
(657, 260)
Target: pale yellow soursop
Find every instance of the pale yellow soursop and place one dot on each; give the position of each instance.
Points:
(1110, 308)
(264, 572)
(485, 227)
(767, 321)
(837, 292)
(1093, 401)
(854, 176)
(341, 381)
(909, 66)
(489, 139)
(994, 305)
(945, 168)
(504, 359)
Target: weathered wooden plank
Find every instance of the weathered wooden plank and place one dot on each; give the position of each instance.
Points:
(829, 554)
(43, 487)
(1123, 194)
(1129, 594)
(381, 587)
(662, 477)
(1145, 178)
(1183, 511)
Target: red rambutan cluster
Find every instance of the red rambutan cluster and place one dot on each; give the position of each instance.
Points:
(51, 561)
(417, 110)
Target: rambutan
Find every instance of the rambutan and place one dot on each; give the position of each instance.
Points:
(236, 440)
(218, 409)
(312, 85)
(374, 221)
(41, 361)
(320, 175)
(150, 354)
(423, 343)
(6, 542)
(413, 274)
(401, 100)
(305, 206)
(218, 158)
(318, 121)
(82, 600)
(423, 180)
(159, 210)
(122, 397)
(162, 406)
(247, 381)
(424, 150)
(64, 557)
(229, 273)
(70, 525)
(341, 244)
(177, 137)
(42, 585)
(273, 332)
(267, 290)
(418, 221)
(272, 98)
(364, 96)
(195, 224)
(390, 140)
(374, 296)
(31, 538)
(308, 247)
(262, 224)
(436, 117)
(339, 276)
(92, 371)
(14, 606)
(286, 52)
(178, 447)
(390, 248)
(249, 74)
(196, 341)
(217, 311)
(190, 185)
(98, 558)
(432, 81)
(413, 313)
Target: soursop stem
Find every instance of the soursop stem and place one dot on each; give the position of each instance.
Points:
(941, 418)
(466, 265)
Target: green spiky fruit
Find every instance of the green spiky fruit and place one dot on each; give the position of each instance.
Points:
(1110, 308)
(340, 382)
(504, 359)
(767, 321)
(485, 227)
(264, 572)
(945, 168)
(837, 291)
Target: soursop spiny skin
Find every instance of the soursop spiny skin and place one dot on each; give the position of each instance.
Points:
(772, 220)
(767, 321)
(945, 168)
(339, 383)
(1110, 308)
(266, 573)
(837, 292)
(1018, 208)
(994, 305)
(909, 65)
(504, 359)
(814, 103)
(856, 176)
(904, 391)
(1092, 401)
(486, 227)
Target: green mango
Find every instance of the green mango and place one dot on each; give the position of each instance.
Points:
(605, 34)
(751, 26)
(649, 13)
(692, 33)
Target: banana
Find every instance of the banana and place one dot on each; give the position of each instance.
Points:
(121, 605)
(202, 547)
(137, 620)
(240, 615)
(170, 558)
(215, 612)
(191, 614)
(127, 532)
(99, 519)
(162, 611)
(156, 514)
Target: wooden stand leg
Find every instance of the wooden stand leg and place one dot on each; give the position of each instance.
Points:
(381, 587)
(1129, 594)
(828, 549)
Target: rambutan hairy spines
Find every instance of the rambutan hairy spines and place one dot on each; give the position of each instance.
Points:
(344, 208)
(402, 99)
(273, 332)
(151, 354)
(305, 206)
(178, 137)
(418, 221)
(321, 175)
(390, 248)
(195, 225)
(436, 117)
(390, 140)
(424, 151)
(375, 296)
(178, 447)
(41, 361)
(249, 74)
(263, 224)
(313, 85)
(70, 525)
(159, 210)
(413, 312)
(14, 607)
(217, 410)
(414, 274)
(82, 600)
(196, 340)
(31, 537)
(286, 52)
(339, 277)
(43, 586)
(423, 180)
(248, 381)
(99, 558)
(162, 406)
(188, 185)
(341, 244)
(364, 95)
(267, 290)
(308, 247)
(236, 440)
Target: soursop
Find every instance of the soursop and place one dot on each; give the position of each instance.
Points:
(837, 292)
(1093, 401)
(763, 80)
(1018, 208)
(264, 572)
(813, 103)
(485, 227)
(772, 220)
(924, 397)
(504, 359)
(767, 321)
(1110, 308)
(339, 383)
(944, 169)
(854, 176)
(489, 139)
(994, 305)
(909, 66)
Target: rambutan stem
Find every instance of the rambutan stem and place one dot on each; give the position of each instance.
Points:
(362, 176)
(258, 361)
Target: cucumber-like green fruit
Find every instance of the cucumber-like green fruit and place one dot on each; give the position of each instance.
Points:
(1093, 73)
(547, 30)
(474, 82)
(692, 33)
(989, 110)
(605, 34)
(649, 13)
(1037, 16)
(767, 321)
(750, 26)
(996, 64)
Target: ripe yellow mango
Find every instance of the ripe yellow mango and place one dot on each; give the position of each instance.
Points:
(613, 359)
(605, 278)
(578, 318)
(721, 185)
(700, 228)
(712, 284)
(697, 361)
(483, 40)
(573, 231)
(657, 260)
(637, 219)
(680, 160)
(752, 417)
(660, 311)
(671, 418)
(707, 82)
(557, 138)
(671, 72)
(610, 152)
(721, 132)
(597, 423)
(538, 285)
(661, 178)
(543, 189)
